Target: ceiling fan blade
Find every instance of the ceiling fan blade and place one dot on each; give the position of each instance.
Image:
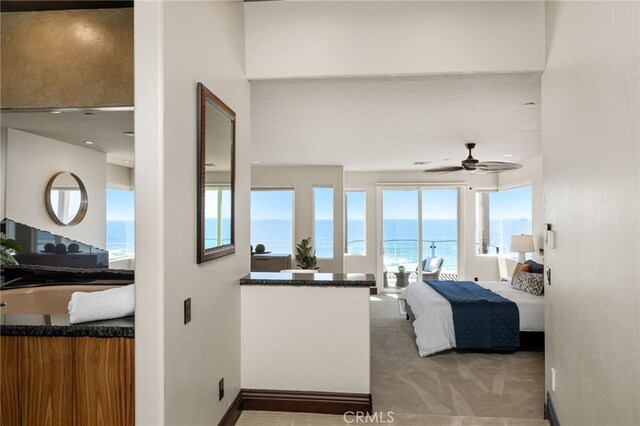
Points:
(444, 169)
(497, 166)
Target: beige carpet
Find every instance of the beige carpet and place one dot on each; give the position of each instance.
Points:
(270, 418)
(449, 383)
(447, 389)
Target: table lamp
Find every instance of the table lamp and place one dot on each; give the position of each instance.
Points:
(522, 244)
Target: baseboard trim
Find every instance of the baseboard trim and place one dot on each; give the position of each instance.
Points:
(550, 413)
(296, 402)
(305, 402)
(232, 414)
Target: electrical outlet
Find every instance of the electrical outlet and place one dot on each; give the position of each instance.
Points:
(187, 310)
(221, 389)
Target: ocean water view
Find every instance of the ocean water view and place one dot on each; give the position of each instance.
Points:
(440, 238)
(400, 238)
(120, 238)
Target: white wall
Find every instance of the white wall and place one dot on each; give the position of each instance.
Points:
(529, 174)
(178, 366)
(31, 161)
(304, 179)
(120, 176)
(315, 38)
(591, 148)
(289, 342)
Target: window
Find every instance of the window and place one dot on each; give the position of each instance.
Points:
(355, 225)
(120, 229)
(217, 204)
(323, 222)
(272, 219)
(66, 203)
(500, 215)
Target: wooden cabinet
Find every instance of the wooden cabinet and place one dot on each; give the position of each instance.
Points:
(46, 380)
(270, 262)
(66, 381)
(10, 389)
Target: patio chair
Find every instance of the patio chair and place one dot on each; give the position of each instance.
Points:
(431, 267)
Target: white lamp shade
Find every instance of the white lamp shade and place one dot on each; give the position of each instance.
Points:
(522, 243)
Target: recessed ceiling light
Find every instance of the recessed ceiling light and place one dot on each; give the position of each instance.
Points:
(88, 142)
(56, 112)
(508, 155)
(255, 162)
(128, 134)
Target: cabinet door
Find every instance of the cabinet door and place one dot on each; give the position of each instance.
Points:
(47, 380)
(10, 398)
(104, 388)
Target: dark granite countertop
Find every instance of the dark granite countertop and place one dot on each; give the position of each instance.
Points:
(58, 325)
(308, 279)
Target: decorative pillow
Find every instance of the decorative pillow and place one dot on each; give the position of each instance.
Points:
(426, 264)
(435, 263)
(536, 267)
(519, 267)
(529, 282)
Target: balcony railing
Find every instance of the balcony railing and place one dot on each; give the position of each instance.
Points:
(405, 252)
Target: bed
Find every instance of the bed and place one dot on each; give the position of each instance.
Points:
(433, 322)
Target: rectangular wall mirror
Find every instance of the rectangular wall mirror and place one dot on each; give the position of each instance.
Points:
(216, 176)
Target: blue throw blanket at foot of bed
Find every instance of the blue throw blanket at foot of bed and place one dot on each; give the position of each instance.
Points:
(482, 319)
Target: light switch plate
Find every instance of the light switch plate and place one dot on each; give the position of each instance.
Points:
(187, 310)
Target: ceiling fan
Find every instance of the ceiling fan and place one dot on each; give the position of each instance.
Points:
(473, 165)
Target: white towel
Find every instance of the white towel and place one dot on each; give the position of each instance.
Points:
(101, 305)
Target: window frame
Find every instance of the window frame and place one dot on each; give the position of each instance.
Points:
(219, 188)
(333, 220)
(122, 188)
(346, 221)
(499, 189)
(292, 189)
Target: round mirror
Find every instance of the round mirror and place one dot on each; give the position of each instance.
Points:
(66, 199)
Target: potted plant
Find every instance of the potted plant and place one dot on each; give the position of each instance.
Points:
(306, 255)
(7, 250)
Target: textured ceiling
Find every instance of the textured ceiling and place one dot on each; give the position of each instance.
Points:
(370, 124)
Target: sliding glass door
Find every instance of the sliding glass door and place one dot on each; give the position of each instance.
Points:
(400, 236)
(440, 229)
(417, 225)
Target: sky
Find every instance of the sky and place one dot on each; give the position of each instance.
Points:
(397, 204)
(211, 204)
(511, 204)
(436, 204)
(276, 204)
(120, 205)
(355, 205)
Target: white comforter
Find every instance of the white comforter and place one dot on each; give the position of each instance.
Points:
(434, 318)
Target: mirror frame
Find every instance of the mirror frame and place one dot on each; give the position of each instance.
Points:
(84, 201)
(204, 96)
